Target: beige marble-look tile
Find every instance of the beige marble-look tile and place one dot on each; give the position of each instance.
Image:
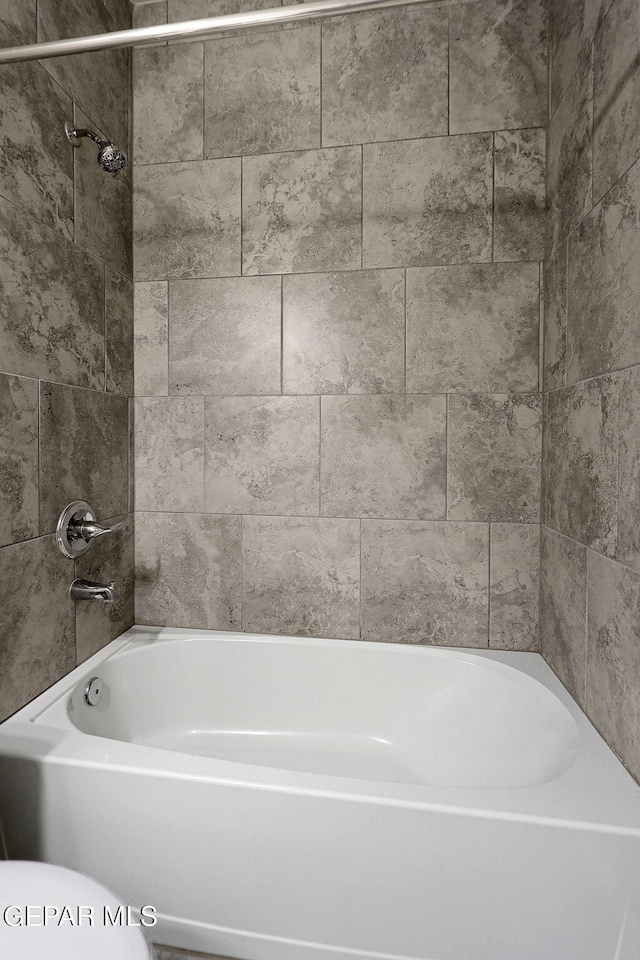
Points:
(519, 195)
(616, 95)
(224, 336)
(581, 462)
(20, 18)
(473, 328)
(494, 454)
(301, 576)
(613, 657)
(149, 14)
(498, 65)
(169, 453)
(569, 159)
(573, 26)
(628, 546)
(168, 97)
(110, 558)
(118, 311)
(555, 318)
(514, 593)
(193, 9)
(425, 582)
(36, 159)
(563, 609)
(188, 570)
(84, 451)
(428, 202)
(385, 75)
(18, 459)
(151, 334)
(302, 211)
(97, 81)
(603, 331)
(262, 455)
(187, 219)
(102, 205)
(46, 282)
(36, 621)
(262, 93)
(384, 456)
(344, 332)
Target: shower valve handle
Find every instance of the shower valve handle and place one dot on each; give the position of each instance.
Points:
(89, 529)
(77, 529)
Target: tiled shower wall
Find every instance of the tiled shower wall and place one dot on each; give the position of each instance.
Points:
(590, 573)
(338, 235)
(66, 331)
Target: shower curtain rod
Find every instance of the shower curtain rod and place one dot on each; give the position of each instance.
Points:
(205, 27)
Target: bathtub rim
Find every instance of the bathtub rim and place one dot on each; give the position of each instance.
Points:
(596, 792)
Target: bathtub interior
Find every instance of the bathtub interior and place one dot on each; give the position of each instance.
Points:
(415, 716)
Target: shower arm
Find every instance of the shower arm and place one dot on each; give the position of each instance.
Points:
(194, 29)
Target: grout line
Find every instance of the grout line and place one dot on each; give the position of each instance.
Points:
(360, 589)
(405, 330)
(449, 29)
(361, 207)
(320, 457)
(493, 198)
(446, 456)
(321, 105)
(489, 589)
(282, 335)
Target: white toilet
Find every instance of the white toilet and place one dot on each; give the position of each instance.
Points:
(52, 913)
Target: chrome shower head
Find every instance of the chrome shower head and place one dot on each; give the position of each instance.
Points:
(110, 158)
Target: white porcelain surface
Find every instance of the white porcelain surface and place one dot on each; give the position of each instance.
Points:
(429, 716)
(67, 919)
(354, 833)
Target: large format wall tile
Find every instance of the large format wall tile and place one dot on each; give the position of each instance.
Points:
(192, 9)
(604, 284)
(110, 558)
(20, 18)
(384, 457)
(555, 318)
(168, 97)
(514, 591)
(616, 95)
(581, 462)
(573, 25)
(188, 570)
(302, 211)
(52, 319)
(36, 621)
(102, 206)
(169, 453)
(569, 159)
(301, 576)
(18, 459)
(385, 75)
(425, 582)
(563, 609)
(473, 328)
(519, 199)
(344, 332)
(149, 15)
(498, 65)
(428, 201)
(98, 82)
(262, 455)
(494, 453)
(262, 93)
(224, 336)
(187, 219)
(613, 657)
(84, 451)
(628, 548)
(151, 334)
(36, 159)
(118, 310)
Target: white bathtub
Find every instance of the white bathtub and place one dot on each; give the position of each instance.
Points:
(298, 799)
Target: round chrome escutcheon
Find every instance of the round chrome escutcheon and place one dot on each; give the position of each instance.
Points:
(93, 691)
